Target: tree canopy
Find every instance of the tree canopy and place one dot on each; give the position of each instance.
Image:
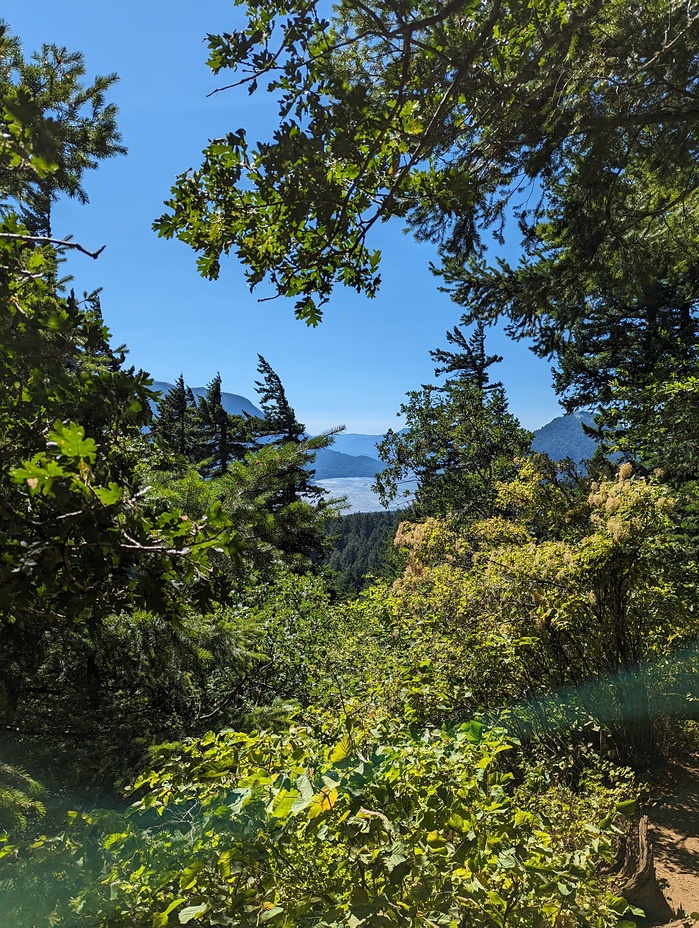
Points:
(452, 117)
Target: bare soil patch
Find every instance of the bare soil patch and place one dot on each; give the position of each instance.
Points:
(674, 833)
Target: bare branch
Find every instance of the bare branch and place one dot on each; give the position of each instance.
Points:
(47, 240)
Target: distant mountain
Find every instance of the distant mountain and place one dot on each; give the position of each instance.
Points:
(563, 437)
(354, 454)
(330, 463)
(357, 445)
(231, 402)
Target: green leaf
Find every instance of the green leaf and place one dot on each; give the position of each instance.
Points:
(109, 495)
(160, 920)
(626, 808)
(189, 875)
(283, 804)
(69, 438)
(342, 750)
(192, 912)
(304, 786)
(473, 731)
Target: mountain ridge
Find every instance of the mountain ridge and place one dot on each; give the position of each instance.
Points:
(233, 403)
(355, 455)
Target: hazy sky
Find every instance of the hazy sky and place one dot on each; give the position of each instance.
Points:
(357, 366)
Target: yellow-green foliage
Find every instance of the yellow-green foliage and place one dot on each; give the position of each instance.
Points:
(506, 614)
(355, 821)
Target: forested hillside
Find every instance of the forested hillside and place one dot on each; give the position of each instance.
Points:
(222, 706)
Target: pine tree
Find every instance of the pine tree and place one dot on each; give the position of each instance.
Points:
(471, 363)
(224, 437)
(68, 120)
(279, 417)
(178, 421)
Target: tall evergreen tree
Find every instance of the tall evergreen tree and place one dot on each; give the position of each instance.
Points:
(470, 364)
(178, 422)
(282, 427)
(279, 417)
(460, 439)
(224, 436)
(80, 538)
(68, 119)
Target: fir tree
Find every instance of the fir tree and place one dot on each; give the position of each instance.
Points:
(281, 425)
(68, 119)
(471, 363)
(279, 417)
(179, 421)
(460, 439)
(224, 436)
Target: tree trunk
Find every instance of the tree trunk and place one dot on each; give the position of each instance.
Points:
(640, 887)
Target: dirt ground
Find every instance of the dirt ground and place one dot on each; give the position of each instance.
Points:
(674, 834)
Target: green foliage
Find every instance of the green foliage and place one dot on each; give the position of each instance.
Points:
(279, 418)
(222, 437)
(555, 606)
(459, 441)
(503, 618)
(81, 540)
(471, 362)
(69, 126)
(73, 514)
(78, 539)
(94, 702)
(178, 423)
(21, 799)
(332, 825)
(655, 423)
(444, 115)
(301, 639)
(362, 549)
(258, 469)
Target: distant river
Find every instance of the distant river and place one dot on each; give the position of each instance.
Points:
(359, 493)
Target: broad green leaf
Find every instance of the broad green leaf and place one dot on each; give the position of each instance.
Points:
(342, 750)
(108, 495)
(283, 804)
(192, 912)
(71, 442)
(626, 808)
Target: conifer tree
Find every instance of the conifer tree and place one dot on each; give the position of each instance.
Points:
(471, 362)
(280, 424)
(460, 439)
(279, 417)
(69, 121)
(224, 437)
(178, 421)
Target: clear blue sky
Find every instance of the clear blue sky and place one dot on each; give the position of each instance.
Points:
(357, 366)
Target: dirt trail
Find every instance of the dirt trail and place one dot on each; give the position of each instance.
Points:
(674, 834)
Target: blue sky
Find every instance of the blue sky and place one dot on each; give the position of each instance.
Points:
(356, 367)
